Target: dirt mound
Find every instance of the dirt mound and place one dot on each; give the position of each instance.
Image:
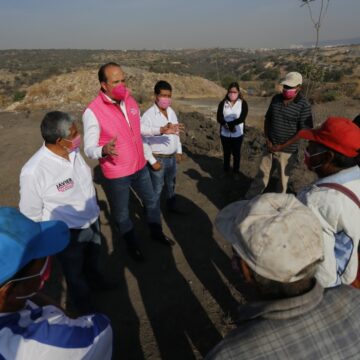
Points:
(201, 134)
(75, 90)
(202, 137)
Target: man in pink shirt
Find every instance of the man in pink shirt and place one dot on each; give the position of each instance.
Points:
(112, 135)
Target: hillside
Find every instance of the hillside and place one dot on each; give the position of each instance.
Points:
(259, 71)
(76, 89)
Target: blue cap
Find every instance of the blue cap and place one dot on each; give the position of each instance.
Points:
(23, 240)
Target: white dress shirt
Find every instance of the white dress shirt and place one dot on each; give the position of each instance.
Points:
(232, 112)
(151, 122)
(54, 188)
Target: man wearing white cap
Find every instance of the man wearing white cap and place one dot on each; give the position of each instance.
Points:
(288, 113)
(279, 245)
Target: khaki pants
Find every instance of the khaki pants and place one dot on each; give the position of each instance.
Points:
(278, 159)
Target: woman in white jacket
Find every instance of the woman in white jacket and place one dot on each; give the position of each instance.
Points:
(231, 115)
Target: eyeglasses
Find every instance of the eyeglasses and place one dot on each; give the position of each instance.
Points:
(44, 274)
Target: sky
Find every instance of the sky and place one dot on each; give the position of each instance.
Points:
(169, 24)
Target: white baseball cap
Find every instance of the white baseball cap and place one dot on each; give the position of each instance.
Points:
(275, 234)
(292, 79)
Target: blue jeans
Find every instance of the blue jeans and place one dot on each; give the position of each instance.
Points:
(166, 175)
(119, 192)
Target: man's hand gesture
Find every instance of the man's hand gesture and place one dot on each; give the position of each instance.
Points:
(109, 148)
(170, 128)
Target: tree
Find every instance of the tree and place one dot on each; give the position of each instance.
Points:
(313, 70)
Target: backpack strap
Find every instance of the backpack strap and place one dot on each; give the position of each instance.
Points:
(346, 191)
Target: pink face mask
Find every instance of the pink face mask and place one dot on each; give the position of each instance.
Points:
(119, 92)
(75, 143)
(289, 93)
(233, 96)
(164, 102)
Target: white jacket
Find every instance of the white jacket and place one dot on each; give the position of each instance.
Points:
(340, 220)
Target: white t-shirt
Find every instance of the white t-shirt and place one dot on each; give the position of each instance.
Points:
(54, 188)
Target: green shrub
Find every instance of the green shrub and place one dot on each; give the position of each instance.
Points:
(19, 95)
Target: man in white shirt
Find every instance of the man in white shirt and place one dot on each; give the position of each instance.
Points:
(165, 148)
(56, 184)
(37, 328)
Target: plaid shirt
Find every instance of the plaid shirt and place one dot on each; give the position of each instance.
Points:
(317, 325)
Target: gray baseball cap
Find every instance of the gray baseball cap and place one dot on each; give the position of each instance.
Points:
(275, 234)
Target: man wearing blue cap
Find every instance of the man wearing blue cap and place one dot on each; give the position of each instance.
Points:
(28, 331)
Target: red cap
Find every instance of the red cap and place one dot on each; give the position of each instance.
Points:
(336, 133)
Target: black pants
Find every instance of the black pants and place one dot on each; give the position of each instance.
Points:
(231, 146)
(79, 262)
